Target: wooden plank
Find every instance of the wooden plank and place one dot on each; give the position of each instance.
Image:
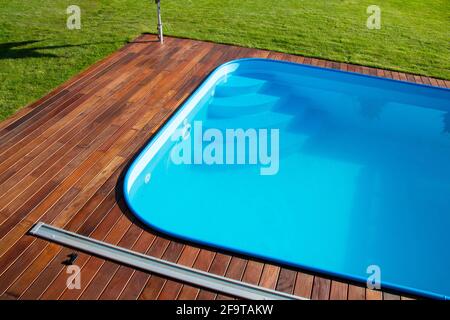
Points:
(321, 288)
(139, 279)
(303, 285)
(93, 265)
(235, 271)
(103, 276)
(41, 263)
(38, 142)
(102, 114)
(203, 262)
(219, 266)
(51, 282)
(51, 102)
(253, 272)
(390, 296)
(121, 277)
(339, 290)
(286, 280)
(156, 283)
(356, 292)
(171, 289)
(99, 210)
(53, 208)
(27, 257)
(269, 276)
(374, 294)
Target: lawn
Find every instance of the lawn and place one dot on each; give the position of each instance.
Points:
(38, 52)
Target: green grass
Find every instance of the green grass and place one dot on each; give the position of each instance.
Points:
(38, 52)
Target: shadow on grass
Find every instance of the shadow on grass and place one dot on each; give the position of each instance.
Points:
(11, 50)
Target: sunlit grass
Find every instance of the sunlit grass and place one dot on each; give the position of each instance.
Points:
(38, 52)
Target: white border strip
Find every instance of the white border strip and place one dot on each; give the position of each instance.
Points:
(158, 266)
(146, 155)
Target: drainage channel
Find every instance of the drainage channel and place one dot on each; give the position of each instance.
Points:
(154, 265)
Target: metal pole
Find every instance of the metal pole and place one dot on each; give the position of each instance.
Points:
(160, 26)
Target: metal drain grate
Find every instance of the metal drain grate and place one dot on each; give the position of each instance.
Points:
(157, 266)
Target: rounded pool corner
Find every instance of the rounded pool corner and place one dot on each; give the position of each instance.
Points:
(337, 143)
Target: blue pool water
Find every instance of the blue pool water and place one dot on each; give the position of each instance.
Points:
(362, 179)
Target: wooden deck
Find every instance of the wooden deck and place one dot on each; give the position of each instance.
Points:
(63, 157)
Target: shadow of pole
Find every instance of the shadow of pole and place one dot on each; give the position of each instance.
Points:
(9, 50)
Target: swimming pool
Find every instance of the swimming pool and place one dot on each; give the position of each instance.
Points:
(338, 173)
